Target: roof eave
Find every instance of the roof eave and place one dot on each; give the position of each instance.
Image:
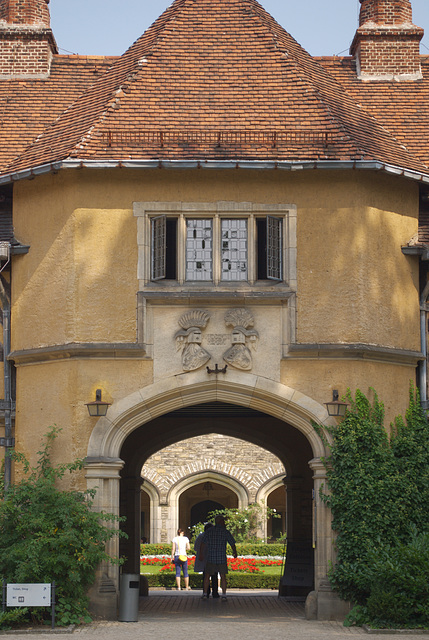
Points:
(237, 163)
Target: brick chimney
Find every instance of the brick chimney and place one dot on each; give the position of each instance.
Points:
(386, 45)
(27, 43)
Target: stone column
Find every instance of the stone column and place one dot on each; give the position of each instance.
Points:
(322, 521)
(130, 507)
(323, 603)
(103, 475)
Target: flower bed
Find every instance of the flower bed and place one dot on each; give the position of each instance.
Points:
(243, 573)
(243, 565)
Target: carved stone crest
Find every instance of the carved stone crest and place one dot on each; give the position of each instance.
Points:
(189, 338)
(239, 354)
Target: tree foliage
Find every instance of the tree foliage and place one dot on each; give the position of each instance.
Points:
(243, 523)
(47, 534)
(378, 491)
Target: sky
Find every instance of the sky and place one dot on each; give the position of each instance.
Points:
(109, 27)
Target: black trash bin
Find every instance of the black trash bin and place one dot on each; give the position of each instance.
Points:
(129, 597)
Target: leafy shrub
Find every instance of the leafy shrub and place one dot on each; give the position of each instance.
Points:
(51, 535)
(260, 549)
(378, 493)
(239, 580)
(149, 549)
(399, 584)
(13, 618)
(243, 522)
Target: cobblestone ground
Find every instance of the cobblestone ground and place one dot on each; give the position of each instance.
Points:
(184, 615)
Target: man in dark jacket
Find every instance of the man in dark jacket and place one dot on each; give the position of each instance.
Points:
(213, 546)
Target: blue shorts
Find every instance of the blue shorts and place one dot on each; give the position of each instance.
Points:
(181, 564)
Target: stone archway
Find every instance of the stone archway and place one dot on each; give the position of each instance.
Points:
(153, 499)
(274, 484)
(201, 510)
(287, 405)
(228, 482)
(169, 394)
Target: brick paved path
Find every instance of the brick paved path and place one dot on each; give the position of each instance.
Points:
(239, 606)
(183, 615)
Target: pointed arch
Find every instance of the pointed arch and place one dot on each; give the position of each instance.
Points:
(177, 392)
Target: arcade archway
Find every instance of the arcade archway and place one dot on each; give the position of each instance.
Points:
(267, 414)
(205, 473)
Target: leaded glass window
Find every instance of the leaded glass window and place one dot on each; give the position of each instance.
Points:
(217, 249)
(234, 249)
(199, 249)
(274, 248)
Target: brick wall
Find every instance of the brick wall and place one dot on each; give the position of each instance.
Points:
(385, 12)
(387, 44)
(25, 55)
(388, 54)
(231, 450)
(26, 40)
(25, 12)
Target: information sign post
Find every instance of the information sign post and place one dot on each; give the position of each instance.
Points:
(30, 595)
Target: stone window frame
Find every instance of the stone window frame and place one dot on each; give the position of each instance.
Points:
(145, 211)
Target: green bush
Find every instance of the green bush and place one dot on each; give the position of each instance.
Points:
(155, 549)
(51, 535)
(12, 618)
(237, 580)
(260, 549)
(399, 584)
(243, 549)
(378, 493)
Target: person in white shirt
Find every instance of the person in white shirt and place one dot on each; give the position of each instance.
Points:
(179, 556)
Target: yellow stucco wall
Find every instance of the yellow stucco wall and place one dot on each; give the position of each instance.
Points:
(317, 379)
(79, 281)
(55, 393)
(354, 283)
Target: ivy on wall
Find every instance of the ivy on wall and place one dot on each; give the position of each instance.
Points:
(378, 491)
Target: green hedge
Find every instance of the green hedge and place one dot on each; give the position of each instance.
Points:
(235, 580)
(244, 549)
(155, 549)
(259, 549)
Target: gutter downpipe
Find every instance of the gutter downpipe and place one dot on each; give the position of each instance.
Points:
(423, 347)
(5, 303)
(7, 399)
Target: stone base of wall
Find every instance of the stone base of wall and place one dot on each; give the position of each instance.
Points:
(103, 599)
(324, 604)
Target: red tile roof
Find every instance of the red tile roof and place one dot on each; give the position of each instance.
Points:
(27, 107)
(219, 79)
(402, 107)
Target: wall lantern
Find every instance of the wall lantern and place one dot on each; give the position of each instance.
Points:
(98, 407)
(336, 407)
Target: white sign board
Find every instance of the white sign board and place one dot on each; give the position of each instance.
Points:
(28, 595)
